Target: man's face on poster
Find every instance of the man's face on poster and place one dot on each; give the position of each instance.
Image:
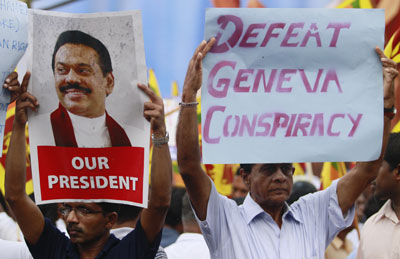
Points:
(80, 84)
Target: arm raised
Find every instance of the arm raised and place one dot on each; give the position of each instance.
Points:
(352, 184)
(187, 137)
(24, 209)
(153, 217)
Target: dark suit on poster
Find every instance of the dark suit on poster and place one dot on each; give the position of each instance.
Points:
(64, 133)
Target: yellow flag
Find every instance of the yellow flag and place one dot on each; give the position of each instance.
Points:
(153, 82)
(332, 171)
(174, 89)
(392, 49)
(355, 4)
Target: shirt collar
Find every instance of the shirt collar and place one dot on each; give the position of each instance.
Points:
(387, 211)
(73, 252)
(82, 122)
(253, 209)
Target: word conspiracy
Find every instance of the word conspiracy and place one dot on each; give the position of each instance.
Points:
(276, 124)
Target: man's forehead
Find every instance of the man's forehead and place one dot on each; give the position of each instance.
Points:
(82, 204)
(77, 48)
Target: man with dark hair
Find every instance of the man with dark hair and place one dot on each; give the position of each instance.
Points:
(83, 79)
(191, 241)
(265, 226)
(239, 189)
(385, 223)
(88, 224)
(173, 222)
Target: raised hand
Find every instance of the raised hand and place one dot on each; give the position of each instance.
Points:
(154, 111)
(11, 84)
(389, 74)
(24, 100)
(194, 72)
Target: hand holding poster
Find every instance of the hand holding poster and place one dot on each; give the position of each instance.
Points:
(292, 85)
(89, 139)
(13, 43)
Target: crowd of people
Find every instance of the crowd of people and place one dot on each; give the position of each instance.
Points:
(267, 215)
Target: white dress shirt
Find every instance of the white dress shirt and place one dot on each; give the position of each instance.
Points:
(248, 232)
(188, 245)
(90, 132)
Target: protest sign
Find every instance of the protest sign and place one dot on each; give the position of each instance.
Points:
(89, 139)
(292, 85)
(13, 43)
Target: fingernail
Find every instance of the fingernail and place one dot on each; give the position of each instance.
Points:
(8, 80)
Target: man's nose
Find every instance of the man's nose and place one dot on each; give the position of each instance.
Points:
(279, 175)
(72, 77)
(72, 217)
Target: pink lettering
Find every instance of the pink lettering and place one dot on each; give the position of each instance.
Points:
(318, 123)
(270, 32)
(284, 78)
(330, 125)
(307, 84)
(249, 34)
(240, 78)
(277, 122)
(223, 21)
(290, 34)
(302, 125)
(261, 74)
(263, 124)
(221, 89)
(246, 125)
(331, 76)
(291, 124)
(355, 122)
(337, 27)
(207, 123)
(309, 34)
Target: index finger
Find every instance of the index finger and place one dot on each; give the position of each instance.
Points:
(380, 53)
(149, 92)
(209, 45)
(25, 82)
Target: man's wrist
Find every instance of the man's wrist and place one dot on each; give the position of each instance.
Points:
(189, 96)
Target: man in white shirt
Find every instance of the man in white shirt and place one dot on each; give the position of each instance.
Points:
(380, 237)
(265, 226)
(83, 79)
(191, 241)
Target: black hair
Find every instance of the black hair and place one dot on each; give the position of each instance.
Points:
(109, 207)
(247, 167)
(300, 189)
(392, 154)
(187, 212)
(174, 214)
(78, 37)
(128, 212)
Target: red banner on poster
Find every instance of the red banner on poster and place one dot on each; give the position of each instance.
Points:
(91, 173)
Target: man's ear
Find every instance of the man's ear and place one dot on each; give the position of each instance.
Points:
(397, 173)
(112, 218)
(246, 177)
(110, 83)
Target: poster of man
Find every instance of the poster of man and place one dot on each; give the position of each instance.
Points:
(85, 68)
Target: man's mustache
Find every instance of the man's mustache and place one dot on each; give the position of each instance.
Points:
(67, 87)
(71, 227)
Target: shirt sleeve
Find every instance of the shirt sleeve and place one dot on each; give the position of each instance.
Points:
(214, 227)
(51, 244)
(135, 244)
(322, 213)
